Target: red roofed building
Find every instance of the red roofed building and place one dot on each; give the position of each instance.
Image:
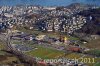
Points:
(75, 49)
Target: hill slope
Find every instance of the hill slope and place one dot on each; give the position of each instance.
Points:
(93, 21)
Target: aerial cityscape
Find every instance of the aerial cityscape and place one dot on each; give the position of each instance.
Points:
(49, 33)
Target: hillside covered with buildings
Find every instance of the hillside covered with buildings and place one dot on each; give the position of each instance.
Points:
(32, 34)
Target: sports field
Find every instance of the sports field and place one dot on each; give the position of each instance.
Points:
(45, 53)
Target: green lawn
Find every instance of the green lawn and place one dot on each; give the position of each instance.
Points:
(97, 64)
(95, 52)
(2, 52)
(16, 42)
(45, 53)
(73, 56)
(93, 44)
(1, 45)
